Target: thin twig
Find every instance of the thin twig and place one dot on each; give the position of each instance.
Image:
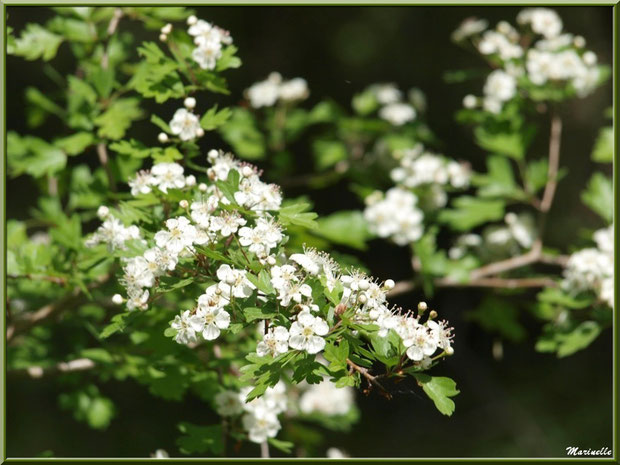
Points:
(264, 450)
(35, 372)
(71, 300)
(370, 378)
(554, 164)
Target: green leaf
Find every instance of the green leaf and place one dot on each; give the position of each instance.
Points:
(157, 76)
(577, 339)
(471, 212)
(228, 59)
(295, 214)
(344, 227)
(599, 196)
(213, 119)
(242, 134)
(115, 121)
(499, 316)
(200, 439)
(90, 406)
(328, 152)
(75, 143)
(439, 389)
(37, 42)
(603, 151)
(284, 446)
(161, 124)
(511, 144)
(499, 180)
(337, 355)
(536, 174)
(33, 156)
(256, 313)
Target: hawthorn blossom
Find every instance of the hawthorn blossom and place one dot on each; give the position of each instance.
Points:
(234, 282)
(214, 320)
(179, 234)
(185, 124)
(327, 399)
(274, 343)
(167, 176)
(395, 216)
(114, 234)
(141, 183)
(295, 89)
(306, 332)
(227, 403)
(397, 113)
(187, 325)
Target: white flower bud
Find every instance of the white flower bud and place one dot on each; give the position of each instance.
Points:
(579, 42)
(470, 101)
(190, 180)
(103, 211)
(200, 132)
(117, 299)
(364, 285)
(162, 137)
(213, 154)
(190, 103)
(271, 260)
(202, 187)
(230, 279)
(449, 351)
(422, 306)
(389, 284)
(192, 20)
(218, 291)
(183, 203)
(167, 29)
(163, 37)
(246, 171)
(589, 58)
(362, 299)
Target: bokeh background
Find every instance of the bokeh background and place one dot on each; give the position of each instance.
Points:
(523, 405)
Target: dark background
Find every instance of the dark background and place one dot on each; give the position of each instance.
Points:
(526, 404)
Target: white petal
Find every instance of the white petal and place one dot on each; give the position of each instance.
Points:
(211, 332)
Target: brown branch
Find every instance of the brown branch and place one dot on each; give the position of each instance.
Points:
(554, 164)
(35, 372)
(71, 300)
(403, 287)
(370, 378)
(52, 279)
(264, 450)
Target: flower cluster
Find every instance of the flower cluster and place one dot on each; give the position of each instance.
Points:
(209, 40)
(538, 55)
(394, 215)
(392, 107)
(419, 167)
(592, 269)
(112, 232)
(266, 93)
(259, 417)
(517, 233)
(327, 399)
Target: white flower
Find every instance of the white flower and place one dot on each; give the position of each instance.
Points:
(396, 216)
(283, 276)
(141, 183)
(137, 299)
(167, 176)
(185, 124)
(459, 174)
(227, 223)
(262, 238)
(214, 320)
(497, 43)
(604, 239)
(522, 228)
(397, 113)
(306, 333)
(386, 93)
(265, 93)
(295, 292)
(261, 427)
(113, 233)
(180, 234)
(213, 298)
(420, 343)
(227, 403)
(470, 101)
(187, 325)
(543, 21)
(274, 343)
(327, 399)
(234, 282)
(206, 56)
(201, 211)
(469, 27)
(295, 89)
(500, 86)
